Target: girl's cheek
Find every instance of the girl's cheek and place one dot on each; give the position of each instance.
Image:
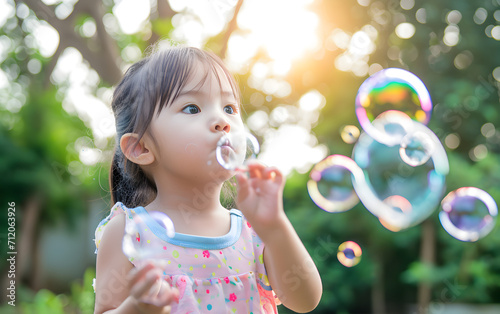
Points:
(191, 149)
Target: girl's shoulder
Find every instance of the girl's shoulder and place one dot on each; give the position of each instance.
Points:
(121, 212)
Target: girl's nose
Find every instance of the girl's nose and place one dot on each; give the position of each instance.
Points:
(221, 125)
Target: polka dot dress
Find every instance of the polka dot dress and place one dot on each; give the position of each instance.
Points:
(213, 274)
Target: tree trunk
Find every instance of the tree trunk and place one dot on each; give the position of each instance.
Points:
(427, 256)
(26, 237)
(378, 294)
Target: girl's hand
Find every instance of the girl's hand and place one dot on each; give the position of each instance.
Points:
(260, 197)
(152, 293)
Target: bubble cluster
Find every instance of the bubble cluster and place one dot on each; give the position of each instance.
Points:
(132, 245)
(235, 149)
(399, 166)
(330, 185)
(349, 254)
(468, 214)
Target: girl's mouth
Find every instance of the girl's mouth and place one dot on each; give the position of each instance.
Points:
(224, 142)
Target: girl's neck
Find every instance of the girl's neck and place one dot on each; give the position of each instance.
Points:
(191, 207)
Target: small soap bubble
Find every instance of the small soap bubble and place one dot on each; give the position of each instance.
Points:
(235, 149)
(392, 89)
(349, 254)
(416, 148)
(330, 186)
(137, 248)
(349, 134)
(468, 214)
(399, 194)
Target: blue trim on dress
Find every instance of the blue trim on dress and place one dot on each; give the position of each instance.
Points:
(193, 241)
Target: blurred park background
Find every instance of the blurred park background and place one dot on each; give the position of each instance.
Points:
(299, 64)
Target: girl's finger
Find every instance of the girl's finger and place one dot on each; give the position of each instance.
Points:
(242, 188)
(272, 173)
(255, 169)
(145, 284)
(137, 273)
(168, 294)
(164, 296)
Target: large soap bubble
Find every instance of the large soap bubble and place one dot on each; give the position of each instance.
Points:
(138, 249)
(234, 149)
(391, 89)
(330, 186)
(468, 213)
(400, 194)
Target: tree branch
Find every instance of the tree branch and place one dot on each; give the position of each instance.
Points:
(163, 11)
(230, 29)
(105, 58)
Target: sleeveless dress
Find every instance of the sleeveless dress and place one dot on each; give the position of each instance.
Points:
(223, 274)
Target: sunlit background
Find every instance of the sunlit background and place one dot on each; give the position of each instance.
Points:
(299, 64)
(283, 40)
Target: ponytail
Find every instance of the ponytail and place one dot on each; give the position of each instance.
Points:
(128, 182)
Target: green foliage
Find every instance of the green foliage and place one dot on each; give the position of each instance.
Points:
(79, 301)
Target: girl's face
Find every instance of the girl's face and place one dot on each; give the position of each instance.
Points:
(187, 131)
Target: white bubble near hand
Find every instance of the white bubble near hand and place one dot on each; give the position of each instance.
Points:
(235, 149)
(135, 246)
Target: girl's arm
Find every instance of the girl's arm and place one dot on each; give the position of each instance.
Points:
(290, 269)
(120, 287)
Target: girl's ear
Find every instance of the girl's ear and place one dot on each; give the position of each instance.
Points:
(136, 150)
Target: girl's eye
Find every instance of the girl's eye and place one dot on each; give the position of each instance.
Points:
(230, 109)
(191, 109)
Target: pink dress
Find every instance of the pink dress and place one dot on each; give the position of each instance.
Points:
(213, 274)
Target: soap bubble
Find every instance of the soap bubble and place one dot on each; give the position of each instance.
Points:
(468, 214)
(330, 186)
(416, 148)
(235, 149)
(349, 134)
(136, 248)
(399, 194)
(349, 254)
(392, 89)
(392, 126)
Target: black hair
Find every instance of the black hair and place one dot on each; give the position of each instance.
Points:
(147, 87)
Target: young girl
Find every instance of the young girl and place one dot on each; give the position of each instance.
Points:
(171, 109)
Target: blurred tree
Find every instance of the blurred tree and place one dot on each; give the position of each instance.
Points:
(450, 45)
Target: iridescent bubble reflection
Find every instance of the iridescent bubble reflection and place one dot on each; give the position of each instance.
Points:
(349, 254)
(468, 213)
(330, 186)
(392, 89)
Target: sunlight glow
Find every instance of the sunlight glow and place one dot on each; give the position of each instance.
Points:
(131, 14)
(47, 39)
(6, 11)
(312, 100)
(284, 29)
(198, 20)
(291, 147)
(405, 30)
